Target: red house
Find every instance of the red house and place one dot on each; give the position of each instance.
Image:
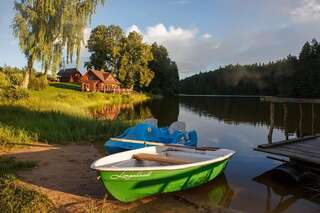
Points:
(69, 75)
(94, 81)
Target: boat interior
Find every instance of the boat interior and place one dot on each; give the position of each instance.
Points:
(161, 156)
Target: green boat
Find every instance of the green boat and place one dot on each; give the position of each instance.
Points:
(139, 173)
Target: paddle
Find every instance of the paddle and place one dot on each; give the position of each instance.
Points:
(161, 158)
(161, 144)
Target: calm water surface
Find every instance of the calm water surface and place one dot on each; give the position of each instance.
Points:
(239, 124)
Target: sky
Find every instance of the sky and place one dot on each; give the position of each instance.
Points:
(200, 35)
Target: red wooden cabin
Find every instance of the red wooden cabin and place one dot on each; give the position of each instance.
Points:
(69, 75)
(99, 81)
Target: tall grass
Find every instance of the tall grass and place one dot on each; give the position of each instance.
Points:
(60, 114)
(10, 136)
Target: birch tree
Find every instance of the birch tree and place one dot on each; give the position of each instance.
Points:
(45, 28)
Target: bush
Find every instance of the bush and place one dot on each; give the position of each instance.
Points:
(10, 79)
(38, 82)
(4, 81)
(14, 94)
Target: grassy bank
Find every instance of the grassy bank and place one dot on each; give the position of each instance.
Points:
(60, 114)
(14, 196)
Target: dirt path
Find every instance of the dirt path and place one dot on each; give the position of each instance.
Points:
(64, 175)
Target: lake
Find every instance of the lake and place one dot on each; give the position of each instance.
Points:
(239, 124)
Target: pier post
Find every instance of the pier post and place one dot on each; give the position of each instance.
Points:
(300, 121)
(285, 117)
(271, 122)
(312, 124)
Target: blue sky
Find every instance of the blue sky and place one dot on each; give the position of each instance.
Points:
(199, 34)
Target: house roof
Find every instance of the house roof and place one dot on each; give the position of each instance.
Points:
(103, 76)
(67, 72)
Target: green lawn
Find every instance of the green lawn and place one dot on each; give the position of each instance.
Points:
(60, 114)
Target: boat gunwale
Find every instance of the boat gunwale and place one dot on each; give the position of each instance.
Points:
(160, 168)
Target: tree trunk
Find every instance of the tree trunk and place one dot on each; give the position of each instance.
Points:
(46, 69)
(27, 76)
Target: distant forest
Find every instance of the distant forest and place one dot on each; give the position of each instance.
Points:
(291, 77)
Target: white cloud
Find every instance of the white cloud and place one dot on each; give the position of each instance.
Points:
(160, 33)
(206, 35)
(309, 10)
(133, 28)
(191, 50)
(86, 35)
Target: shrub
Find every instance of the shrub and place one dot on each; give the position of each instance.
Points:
(4, 81)
(38, 82)
(11, 76)
(14, 94)
(10, 79)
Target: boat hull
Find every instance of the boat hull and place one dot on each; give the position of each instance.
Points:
(128, 186)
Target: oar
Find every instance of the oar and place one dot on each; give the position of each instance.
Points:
(161, 144)
(137, 141)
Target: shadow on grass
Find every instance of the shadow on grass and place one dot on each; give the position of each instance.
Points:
(57, 127)
(71, 86)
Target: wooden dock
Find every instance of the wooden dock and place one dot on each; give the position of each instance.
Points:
(306, 149)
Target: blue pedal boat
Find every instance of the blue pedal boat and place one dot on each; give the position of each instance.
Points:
(148, 134)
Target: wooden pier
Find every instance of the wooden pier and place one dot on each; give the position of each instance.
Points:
(302, 149)
(306, 149)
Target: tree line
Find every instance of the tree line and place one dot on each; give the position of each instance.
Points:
(291, 77)
(135, 63)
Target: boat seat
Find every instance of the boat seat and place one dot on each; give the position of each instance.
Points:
(151, 121)
(177, 126)
(161, 158)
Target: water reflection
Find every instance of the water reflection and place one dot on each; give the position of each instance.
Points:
(282, 191)
(122, 112)
(110, 112)
(293, 119)
(166, 110)
(216, 193)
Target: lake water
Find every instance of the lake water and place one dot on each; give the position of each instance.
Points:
(239, 124)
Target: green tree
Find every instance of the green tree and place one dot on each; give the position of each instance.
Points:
(166, 76)
(105, 45)
(136, 55)
(45, 27)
